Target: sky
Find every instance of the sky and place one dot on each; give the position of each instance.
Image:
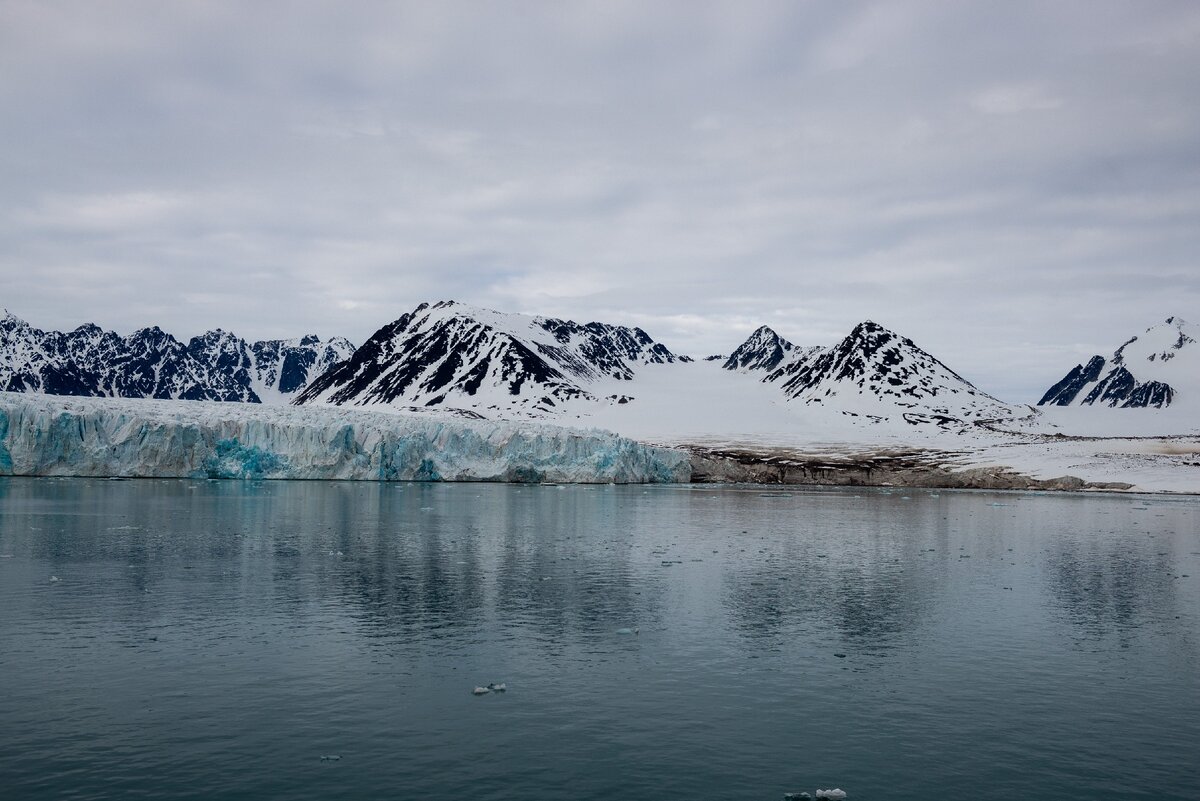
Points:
(1015, 186)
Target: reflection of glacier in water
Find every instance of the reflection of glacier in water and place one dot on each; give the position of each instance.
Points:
(228, 634)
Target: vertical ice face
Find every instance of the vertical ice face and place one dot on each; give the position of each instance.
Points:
(45, 435)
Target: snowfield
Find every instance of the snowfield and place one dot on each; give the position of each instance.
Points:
(699, 406)
(46, 435)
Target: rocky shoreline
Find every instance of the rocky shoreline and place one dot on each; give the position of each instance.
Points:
(915, 468)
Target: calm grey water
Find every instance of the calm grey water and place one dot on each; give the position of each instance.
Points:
(216, 639)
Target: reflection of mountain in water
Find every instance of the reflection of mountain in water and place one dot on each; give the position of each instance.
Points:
(872, 603)
(871, 582)
(1109, 587)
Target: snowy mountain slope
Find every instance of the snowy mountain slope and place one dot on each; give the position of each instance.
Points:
(151, 363)
(871, 372)
(1155, 369)
(765, 350)
(451, 354)
(274, 370)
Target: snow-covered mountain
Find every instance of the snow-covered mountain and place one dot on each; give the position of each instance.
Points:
(151, 363)
(458, 356)
(275, 370)
(765, 350)
(1158, 368)
(872, 372)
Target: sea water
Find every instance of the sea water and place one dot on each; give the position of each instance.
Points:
(316, 640)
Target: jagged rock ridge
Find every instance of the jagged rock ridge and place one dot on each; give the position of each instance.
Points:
(151, 363)
(456, 355)
(869, 367)
(764, 350)
(1149, 370)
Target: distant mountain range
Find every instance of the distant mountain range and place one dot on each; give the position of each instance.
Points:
(485, 363)
(1153, 369)
(150, 363)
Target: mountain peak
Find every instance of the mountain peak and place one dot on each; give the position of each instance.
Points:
(454, 354)
(763, 350)
(1152, 369)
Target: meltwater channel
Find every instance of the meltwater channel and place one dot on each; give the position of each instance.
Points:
(174, 639)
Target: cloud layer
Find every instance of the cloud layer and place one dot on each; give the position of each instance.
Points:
(1014, 186)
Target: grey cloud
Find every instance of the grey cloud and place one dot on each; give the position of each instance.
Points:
(1010, 185)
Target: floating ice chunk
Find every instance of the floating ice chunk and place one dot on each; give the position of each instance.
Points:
(480, 691)
(629, 631)
(796, 796)
(497, 687)
(837, 794)
(330, 758)
(54, 579)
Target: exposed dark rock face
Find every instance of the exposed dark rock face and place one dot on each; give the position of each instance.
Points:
(1142, 373)
(151, 363)
(870, 469)
(763, 350)
(870, 363)
(448, 353)
(1066, 390)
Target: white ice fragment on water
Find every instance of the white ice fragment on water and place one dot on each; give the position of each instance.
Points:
(498, 687)
(54, 579)
(629, 631)
(796, 796)
(480, 691)
(835, 793)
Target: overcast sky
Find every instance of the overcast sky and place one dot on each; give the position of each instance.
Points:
(1013, 186)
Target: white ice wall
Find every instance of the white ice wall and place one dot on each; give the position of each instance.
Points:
(42, 435)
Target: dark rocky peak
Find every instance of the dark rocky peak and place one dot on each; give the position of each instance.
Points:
(763, 350)
(874, 361)
(1066, 390)
(88, 330)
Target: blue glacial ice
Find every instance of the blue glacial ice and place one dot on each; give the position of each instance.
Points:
(43, 435)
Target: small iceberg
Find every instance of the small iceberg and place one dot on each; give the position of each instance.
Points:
(54, 579)
(629, 631)
(835, 793)
(796, 796)
(498, 687)
(480, 691)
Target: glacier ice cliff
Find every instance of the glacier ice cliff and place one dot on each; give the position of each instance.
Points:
(43, 435)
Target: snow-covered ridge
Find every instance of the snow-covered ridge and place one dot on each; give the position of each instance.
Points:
(765, 350)
(42, 435)
(1156, 369)
(451, 354)
(151, 363)
(872, 372)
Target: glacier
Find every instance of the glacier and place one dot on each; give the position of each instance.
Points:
(47, 435)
